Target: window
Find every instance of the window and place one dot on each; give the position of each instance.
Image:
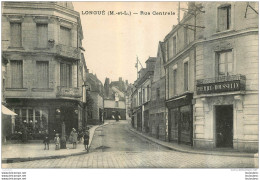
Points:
(174, 81)
(224, 17)
(174, 46)
(225, 63)
(185, 34)
(143, 95)
(16, 35)
(117, 105)
(140, 98)
(158, 93)
(186, 76)
(65, 36)
(148, 92)
(16, 74)
(42, 35)
(42, 74)
(65, 75)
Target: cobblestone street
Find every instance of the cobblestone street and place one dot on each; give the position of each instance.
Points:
(114, 146)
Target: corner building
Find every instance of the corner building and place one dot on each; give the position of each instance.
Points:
(226, 71)
(42, 42)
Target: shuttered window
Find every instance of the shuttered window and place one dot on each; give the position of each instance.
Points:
(224, 18)
(65, 75)
(174, 81)
(42, 74)
(186, 76)
(16, 33)
(174, 46)
(16, 74)
(65, 36)
(42, 35)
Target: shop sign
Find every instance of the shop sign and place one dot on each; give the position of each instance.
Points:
(219, 87)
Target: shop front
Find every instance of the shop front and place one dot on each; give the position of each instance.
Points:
(38, 117)
(180, 119)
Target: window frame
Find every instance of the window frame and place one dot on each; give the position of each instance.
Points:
(12, 36)
(229, 24)
(37, 25)
(226, 62)
(11, 75)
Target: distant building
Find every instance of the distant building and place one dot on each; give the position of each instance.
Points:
(96, 92)
(115, 99)
(157, 108)
(41, 42)
(142, 95)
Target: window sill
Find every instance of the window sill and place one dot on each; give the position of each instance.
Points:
(16, 89)
(223, 32)
(42, 89)
(46, 48)
(20, 48)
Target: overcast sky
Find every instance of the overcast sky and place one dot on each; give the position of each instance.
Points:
(113, 42)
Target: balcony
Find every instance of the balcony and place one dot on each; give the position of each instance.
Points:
(221, 84)
(67, 51)
(68, 92)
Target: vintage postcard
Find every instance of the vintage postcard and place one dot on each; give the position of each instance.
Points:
(129, 85)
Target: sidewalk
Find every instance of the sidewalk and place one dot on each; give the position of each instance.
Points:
(35, 151)
(189, 149)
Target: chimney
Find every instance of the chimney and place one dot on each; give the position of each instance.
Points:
(120, 79)
(126, 81)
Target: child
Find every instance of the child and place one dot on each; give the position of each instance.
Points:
(57, 142)
(46, 142)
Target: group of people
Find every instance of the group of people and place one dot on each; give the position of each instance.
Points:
(73, 138)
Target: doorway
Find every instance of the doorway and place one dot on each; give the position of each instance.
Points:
(224, 126)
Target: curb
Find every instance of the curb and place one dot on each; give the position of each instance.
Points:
(13, 160)
(193, 152)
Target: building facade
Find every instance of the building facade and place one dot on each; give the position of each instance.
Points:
(157, 103)
(115, 99)
(226, 100)
(96, 93)
(41, 41)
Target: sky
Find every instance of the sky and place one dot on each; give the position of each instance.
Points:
(112, 42)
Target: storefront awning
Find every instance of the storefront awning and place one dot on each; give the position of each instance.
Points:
(7, 111)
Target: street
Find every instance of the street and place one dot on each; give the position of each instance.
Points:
(115, 146)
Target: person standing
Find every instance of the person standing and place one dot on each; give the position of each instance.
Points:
(74, 137)
(46, 142)
(86, 139)
(57, 142)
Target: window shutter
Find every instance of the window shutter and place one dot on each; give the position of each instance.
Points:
(42, 33)
(16, 35)
(43, 74)
(16, 74)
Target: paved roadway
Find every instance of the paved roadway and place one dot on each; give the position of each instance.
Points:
(115, 146)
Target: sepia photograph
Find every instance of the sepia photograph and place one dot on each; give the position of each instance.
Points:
(129, 85)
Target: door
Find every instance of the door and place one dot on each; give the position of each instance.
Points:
(224, 126)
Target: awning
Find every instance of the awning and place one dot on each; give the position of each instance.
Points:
(7, 111)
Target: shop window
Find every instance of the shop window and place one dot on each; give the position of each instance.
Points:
(16, 74)
(225, 63)
(224, 17)
(42, 74)
(65, 36)
(65, 75)
(42, 35)
(16, 35)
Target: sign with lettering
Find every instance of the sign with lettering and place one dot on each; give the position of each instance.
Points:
(219, 87)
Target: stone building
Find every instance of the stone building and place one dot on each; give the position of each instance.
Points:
(179, 69)
(157, 102)
(142, 95)
(96, 92)
(226, 71)
(115, 99)
(42, 43)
